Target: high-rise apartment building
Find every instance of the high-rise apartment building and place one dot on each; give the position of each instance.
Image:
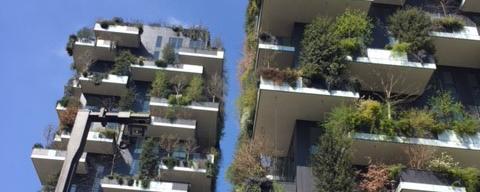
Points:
(143, 112)
(288, 109)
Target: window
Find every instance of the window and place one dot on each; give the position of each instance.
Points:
(156, 55)
(175, 42)
(196, 44)
(158, 43)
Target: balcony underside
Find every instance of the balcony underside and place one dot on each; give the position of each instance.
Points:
(379, 148)
(211, 61)
(457, 52)
(280, 106)
(86, 53)
(112, 86)
(48, 163)
(278, 16)
(403, 79)
(183, 129)
(198, 180)
(125, 36)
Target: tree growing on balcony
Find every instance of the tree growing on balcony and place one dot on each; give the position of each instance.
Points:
(123, 62)
(321, 57)
(215, 87)
(148, 159)
(127, 99)
(355, 29)
(331, 160)
(194, 90)
(160, 85)
(168, 143)
(412, 26)
(168, 54)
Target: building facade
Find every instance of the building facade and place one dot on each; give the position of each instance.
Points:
(143, 112)
(286, 114)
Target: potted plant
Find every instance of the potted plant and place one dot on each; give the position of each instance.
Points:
(170, 162)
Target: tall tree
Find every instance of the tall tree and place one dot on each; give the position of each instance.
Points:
(331, 161)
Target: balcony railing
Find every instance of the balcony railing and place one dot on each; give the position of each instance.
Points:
(157, 186)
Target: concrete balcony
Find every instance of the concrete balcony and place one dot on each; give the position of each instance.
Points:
(278, 16)
(205, 114)
(112, 185)
(381, 67)
(458, 49)
(86, 52)
(49, 162)
(465, 150)
(147, 71)
(280, 106)
(195, 175)
(113, 85)
(211, 60)
(96, 142)
(275, 56)
(182, 128)
(390, 2)
(426, 181)
(470, 6)
(125, 36)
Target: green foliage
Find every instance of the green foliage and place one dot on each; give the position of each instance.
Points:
(195, 89)
(168, 54)
(355, 29)
(64, 101)
(253, 11)
(70, 43)
(97, 78)
(211, 169)
(160, 85)
(467, 126)
(161, 63)
(331, 161)
(123, 62)
(400, 49)
(449, 24)
(320, 47)
(470, 177)
(415, 122)
(394, 171)
(37, 145)
(179, 100)
(278, 187)
(171, 113)
(278, 76)
(146, 183)
(86, 33)
(108, 133)
(127, 99)
(170, 162)
(442, 163)
(412, 26)
(148, 159)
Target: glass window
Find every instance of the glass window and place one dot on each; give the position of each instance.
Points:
(158, 43)
(176, 42)
(156, 55)
(198, 44)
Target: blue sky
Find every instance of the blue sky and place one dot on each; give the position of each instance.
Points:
(35, 66)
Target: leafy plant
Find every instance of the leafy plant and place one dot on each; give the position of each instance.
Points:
(400, 49)
(146, 183)
(86, 33)
(130, 181)
(211, 169)
(123, 62)
(449, 24)
(445, 109)
(148, 160)
(170, 162)
(37, 145)
(415, 122)
(160, 85)
(70, 43)
(127, 100)
(470, 177)
(168, 54)
(442, 163)
(467, 126)
(108, 133)
(161, 63)
(195, 88)
(355, 29)
(394, 171)
(320, 47)
(374, 179)
(412, 26)
(279, 77)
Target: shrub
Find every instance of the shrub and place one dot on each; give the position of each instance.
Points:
(354, 28)
(123, 62)
(442, 163)
(171, 113)
(70, 43)
(148, 159)
(416, 122)
(400, 49)
(130, 181)
(320, 47)
(279, 77)
(161, 63)
(412, 26)
(141, 61)
(467, 126)
(86, 33)
(145, 183)
(449, 24)
(470, 177)
(97, 78)
(170, 162)
(195, 89)
(127, 100)
(394, 171)
(37, 145)
(374, 179)
(64, 101)
(168, 54)
(211, 169)
(445, 109)
(108, 133)
(120, 180)
(179, 100)
(160, 85)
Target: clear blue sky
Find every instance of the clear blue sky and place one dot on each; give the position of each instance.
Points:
(35, 66)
